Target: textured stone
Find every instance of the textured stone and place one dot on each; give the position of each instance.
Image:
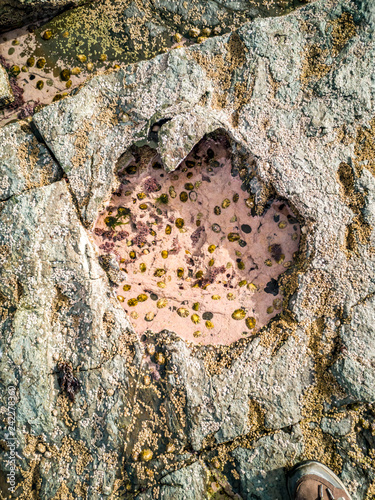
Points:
(113, 33)
(295, 94)
(25, 163)
(108, 116)
(336, 427)
(189, 128)
(6, 94)
(354, 370)
(16, 13)
(220, 404)
(220, 14)
(261, 470)
(55, 307)
(184, 484)
(352, 477)
(111, 267)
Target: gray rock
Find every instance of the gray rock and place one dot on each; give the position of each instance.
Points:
(220, 404)
(111, 267)
(261, 469)
(334, 427)
(188, 128)
(355, 368)
(6, 94)
(296, 95)
(223, 13)
(106, 118)
(25, 163)
(55, 307)
(188, 483)
(185, 484)
(355, 481)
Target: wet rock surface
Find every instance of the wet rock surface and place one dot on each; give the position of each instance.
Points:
(104, 412)
(51, 58)
(15, 13)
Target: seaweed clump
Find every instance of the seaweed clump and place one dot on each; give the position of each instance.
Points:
(67, 382)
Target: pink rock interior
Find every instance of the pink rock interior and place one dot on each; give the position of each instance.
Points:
(198, 262)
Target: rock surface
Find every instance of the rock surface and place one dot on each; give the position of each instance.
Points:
(6, 94)
(98, 35)
(121, 111)
(222, 404)
(189, 128)
(16, 13)
(296, 94)
(25, 163)
(261, 469)
(67, 319)
(355, 371)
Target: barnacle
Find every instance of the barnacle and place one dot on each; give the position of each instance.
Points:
(41, 63)
(146, 455)
(160, 358)
(194, 32)
(184, 196)
(180, 223)
(250, 323)
(159, 272)
(161, 303)
(233, 237)
(14, 70)
(47, 35)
